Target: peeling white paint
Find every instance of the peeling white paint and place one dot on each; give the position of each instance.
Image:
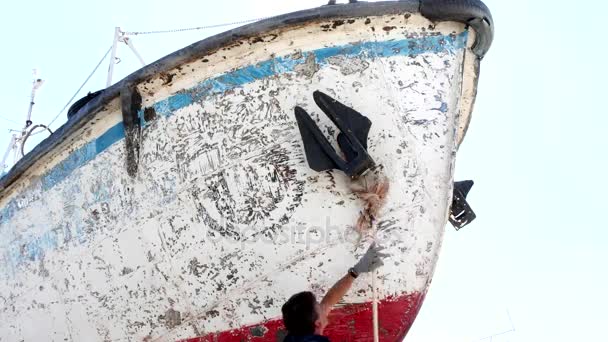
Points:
(224, 219)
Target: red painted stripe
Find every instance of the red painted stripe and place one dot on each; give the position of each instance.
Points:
(351, 322)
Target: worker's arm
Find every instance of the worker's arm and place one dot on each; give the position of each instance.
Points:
(371, 260)
(336, 292)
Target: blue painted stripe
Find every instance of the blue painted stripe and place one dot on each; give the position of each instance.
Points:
(220, 84)
(110, 137)
(81, 156)
(75, 160)
(281, 65)
(243, 76)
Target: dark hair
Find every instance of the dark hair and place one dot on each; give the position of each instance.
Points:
(299, 314)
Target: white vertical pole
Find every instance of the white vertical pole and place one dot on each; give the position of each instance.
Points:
(8, 150)
(15, 150)
(113, 56)
(35, 85)
(132, 47)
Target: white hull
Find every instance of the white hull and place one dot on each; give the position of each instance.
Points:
(224, 219)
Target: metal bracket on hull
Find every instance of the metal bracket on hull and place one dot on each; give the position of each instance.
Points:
(130, 101)
(352, 138)
(461, 213)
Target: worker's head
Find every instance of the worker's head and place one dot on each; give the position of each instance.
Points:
(302, 315)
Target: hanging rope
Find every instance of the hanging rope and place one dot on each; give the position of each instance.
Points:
(81, 86)
(372, 189)
(135, 33)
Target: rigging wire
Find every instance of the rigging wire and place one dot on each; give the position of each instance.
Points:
(81, 86)
(9, 120)
(135, 33)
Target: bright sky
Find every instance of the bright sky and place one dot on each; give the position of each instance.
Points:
(536, 149)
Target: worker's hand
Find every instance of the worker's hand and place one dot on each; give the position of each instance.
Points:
(371, 260)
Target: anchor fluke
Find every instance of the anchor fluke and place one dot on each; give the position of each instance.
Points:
(352, 139)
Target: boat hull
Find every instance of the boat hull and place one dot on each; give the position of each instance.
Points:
(199, 222)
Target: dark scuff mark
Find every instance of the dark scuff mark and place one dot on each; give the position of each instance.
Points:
(149, 114)
(351, 21)
(264, 39)
(337, 23)
(268, 303)
(256, 40)
(332, 179)
(389, 28)
(139, 325)
(95, 214)
(386, 226)
(195, 329)
(254, 305)
(367, 21)
(219, 192)
(42, 269)
(205, 60)
(196, 268)
(131, 104)
(172, 318)
(258, 331)
(297, 55)
(167, 78)
(125, 271)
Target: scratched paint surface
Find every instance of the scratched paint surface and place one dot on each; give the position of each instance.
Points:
(224, 219)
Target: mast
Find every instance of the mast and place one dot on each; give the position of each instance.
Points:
(17, 140)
